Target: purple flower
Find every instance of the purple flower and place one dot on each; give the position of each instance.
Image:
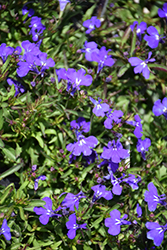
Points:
(73, 226)
(46, 212)
(132, 181)
(156, 232)
(100, 191)
(152, 197)
(63, 4)
(91, 24)
(111, 165)
(81, 125)
(37, 28)
(99, 108)
(139, 29)
(163, 13)
(79, 78)
(138, 126)
(138, 210)
(44, 62)
(154, 38)
(115, 152)
(112, 116)
(5, 52)
(19, 88)
(141, 66)
(160, 108)
(114, 222)
(25, 10)
(72, 200)
(5, 230)
(41, 177)
(83, 145)
(117, 189)
(90, 47)
(142, 146)
(102, 58)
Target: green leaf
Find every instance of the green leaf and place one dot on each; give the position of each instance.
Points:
(157, 66)
(2, 145)
(89, 12)
(11, 171)
(7, 192)
(9, 153)
(97, 222)
(56, 245)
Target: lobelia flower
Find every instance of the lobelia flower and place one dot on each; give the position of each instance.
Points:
(102, 58)
(83, 145)
(111, 165)
(72, 200)
(142, 146)
(25, 10)
(112, 116)
(117, 189)
(115, 152)
(81, 125)
(156, 232)
(44, 62)
(19, 88)
(5, 52)
(63, 4)
(141, 66)
(160, 108)
(132, 181)
(41, 177)
(91, 24)
(138, 126)
(152, 197)
(73, 226)
(138, 210)
(163, 13)
(99, 108)
(140, 29)
(89, 48)
(100, 191)
(37, 28)
(79, 78)
(114, 222)
(46, 212)
(5, 230)
(154, 38)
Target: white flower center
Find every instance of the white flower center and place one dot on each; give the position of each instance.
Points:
(138, 30)
(157, 37)
(143, 64)
(81, 142)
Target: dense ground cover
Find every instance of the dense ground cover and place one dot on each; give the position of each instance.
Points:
(83, 156)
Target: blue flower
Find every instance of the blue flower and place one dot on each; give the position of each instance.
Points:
(19, 88)
(115, 152)
(141, 66)
(46, 212)
(152, 197)
(140, 29)
(142, 146)
(154, 38)
(72, 200)
(80, 125)
(138, 126)
(90, 47)
(41, 177)
(91, 24)
(132, 181)
(156, 232)
(5, 230)
(5, 52)
(99, 108)
(83, 145)
(160, 108)
(101, 56)
(114, 222)
(73, 226)
(112, 116)
(100, 191)
(163, 13)
(138, 210)
(63, 4)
